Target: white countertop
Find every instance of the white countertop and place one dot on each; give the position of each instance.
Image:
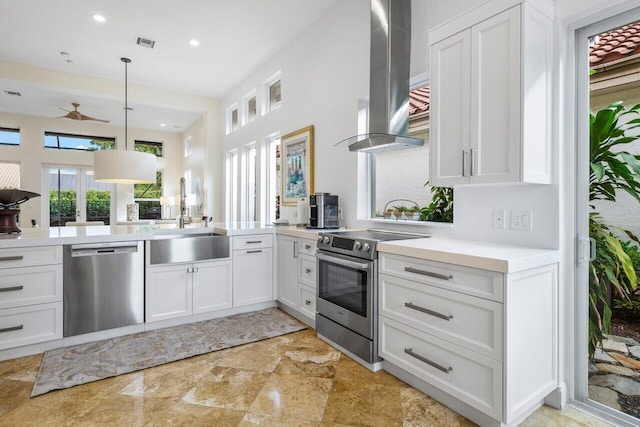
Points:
(483, 255)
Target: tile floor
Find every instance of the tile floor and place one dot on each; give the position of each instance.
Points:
(291, 380)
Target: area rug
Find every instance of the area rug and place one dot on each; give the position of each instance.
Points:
(80, 364)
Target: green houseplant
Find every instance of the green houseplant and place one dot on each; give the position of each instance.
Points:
(441, 207)
(611, 169)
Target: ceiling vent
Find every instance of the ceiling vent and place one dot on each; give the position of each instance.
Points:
(141, 41)
(12, 93)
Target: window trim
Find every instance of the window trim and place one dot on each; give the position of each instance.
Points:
(229, 117)
(71, 135)
(266, 106)
(245, 108)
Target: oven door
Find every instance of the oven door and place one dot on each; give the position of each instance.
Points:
(346, 292)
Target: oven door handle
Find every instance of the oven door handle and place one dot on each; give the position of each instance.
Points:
(343, 262)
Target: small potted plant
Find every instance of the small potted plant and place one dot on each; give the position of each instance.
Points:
(413, 213)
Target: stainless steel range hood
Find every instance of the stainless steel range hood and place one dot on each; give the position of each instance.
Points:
(389, 80)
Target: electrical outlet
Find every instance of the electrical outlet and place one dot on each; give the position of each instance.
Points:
(522, 220)
(498, 219)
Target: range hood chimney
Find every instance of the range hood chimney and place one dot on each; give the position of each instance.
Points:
(388, 81)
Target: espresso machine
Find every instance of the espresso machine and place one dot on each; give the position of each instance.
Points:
(323, 211)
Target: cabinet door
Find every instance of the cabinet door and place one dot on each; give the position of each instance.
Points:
(495, 100)
(168, 292)
(212, 286)
(252, 276)
(450, 109)
(288, 270)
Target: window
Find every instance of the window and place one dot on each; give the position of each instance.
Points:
(9, 136)
(9, 175)
(187, 146)
(232, 185)
(398, 179)
(78, 142)
(249, 188)
(273, 93)
(232, 118)
(274, 177)
(147, 196)
(73, 195)
(251, 109)
(149, 147)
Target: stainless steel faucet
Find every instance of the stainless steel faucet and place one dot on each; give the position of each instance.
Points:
(183, 204)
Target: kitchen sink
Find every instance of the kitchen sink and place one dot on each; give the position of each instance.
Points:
(179, 248)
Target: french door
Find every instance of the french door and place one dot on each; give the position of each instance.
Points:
(73, 195)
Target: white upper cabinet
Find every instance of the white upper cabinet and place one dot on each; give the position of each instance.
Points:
(490, 95)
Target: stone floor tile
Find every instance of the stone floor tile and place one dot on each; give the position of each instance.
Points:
(227, 388)
(310, 362)
(293, 396)
(568, 417)
(169, 413)
(14, 394)
(420, 410)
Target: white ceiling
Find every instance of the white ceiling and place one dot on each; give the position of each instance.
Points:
(236, 36)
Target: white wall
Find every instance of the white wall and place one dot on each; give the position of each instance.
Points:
(32, 155)
(324, 72)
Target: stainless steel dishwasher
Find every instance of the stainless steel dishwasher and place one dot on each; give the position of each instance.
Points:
(103, 286)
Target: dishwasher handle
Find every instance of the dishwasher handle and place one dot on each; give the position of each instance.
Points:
(104, 249)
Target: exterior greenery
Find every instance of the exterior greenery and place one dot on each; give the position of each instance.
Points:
(612, 272)
(441, 207)
(63, 209)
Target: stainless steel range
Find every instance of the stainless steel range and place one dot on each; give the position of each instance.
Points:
(347, 282)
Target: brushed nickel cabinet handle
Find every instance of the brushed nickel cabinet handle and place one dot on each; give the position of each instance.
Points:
(251, 242)
(438, 366)
(12, 258)
(428, 273)
(12, 288)
(295, 249)
(12, 328)
(412, 306)
(464, 162)
(255, 252)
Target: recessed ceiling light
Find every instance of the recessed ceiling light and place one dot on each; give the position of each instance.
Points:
(99, 18)
(194, 42)
(162, 125)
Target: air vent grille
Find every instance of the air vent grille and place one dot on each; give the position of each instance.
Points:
(144, 42)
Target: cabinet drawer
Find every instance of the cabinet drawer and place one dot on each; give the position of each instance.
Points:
(307, 270)
(307, 301)
(471, 322)
(307, 247)
(30, 285)
(30, 325)
(27, 257)
(468, 376)
(471, 281)
(253, 241)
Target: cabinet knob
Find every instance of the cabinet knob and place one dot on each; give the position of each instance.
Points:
(307, 270)
(307, 247)
(308, 302)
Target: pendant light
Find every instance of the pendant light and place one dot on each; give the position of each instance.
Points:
(124, 166)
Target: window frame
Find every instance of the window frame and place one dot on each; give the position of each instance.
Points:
(229, 118)
(70, 135)
(245, 117)
(160, 177)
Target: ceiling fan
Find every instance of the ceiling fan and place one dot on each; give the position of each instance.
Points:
(77, 115)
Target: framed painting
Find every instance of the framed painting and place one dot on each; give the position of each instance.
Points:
(297, 166)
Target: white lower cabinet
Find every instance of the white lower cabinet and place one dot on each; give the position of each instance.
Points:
(486, 339)
(297, 275)
(252, 269)
(183, 289)
(30, 295)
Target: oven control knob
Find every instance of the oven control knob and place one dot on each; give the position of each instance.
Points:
(326, 240)
(319, 239)
(367, 247)
(358, 245)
